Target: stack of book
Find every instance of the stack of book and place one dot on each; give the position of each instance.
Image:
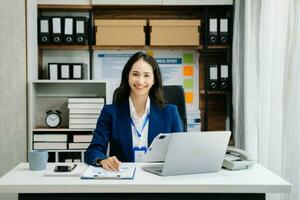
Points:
(80, 141)
(49, 141)
(84, 112)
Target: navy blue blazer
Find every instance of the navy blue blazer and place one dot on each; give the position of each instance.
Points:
(114, 128)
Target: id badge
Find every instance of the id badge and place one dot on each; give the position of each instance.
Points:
(139, 153)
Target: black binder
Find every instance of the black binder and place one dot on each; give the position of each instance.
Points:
(224, 77)
(53, 71)
(223, 33)
(212, 31)
(44, 30)
(56, 30)
(213, 77)
(68, 30)
(80, 30)
(64, 71)
(77, 71)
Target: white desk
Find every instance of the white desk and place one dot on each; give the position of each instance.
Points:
(253, 183)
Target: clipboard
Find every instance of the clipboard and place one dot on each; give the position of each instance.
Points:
(92, 172)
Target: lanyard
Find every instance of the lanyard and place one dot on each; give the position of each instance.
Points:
(139, 134)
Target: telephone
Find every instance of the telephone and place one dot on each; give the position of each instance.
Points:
(236, 159)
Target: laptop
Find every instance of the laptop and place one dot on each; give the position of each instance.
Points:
(191, 153)
(158, 148)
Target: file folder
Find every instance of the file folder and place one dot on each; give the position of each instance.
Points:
(224, 77)
(223, 34)
(52, 71)
(77, 70)
(213, 77)
(80, 30)
(213, 31)
(68, 30)
(56, 30)
(64, 71)
(44, 30)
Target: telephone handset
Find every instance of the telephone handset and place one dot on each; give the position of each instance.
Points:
(237, 159)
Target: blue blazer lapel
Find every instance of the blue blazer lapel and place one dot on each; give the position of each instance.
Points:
(156, 123)
(124, 129)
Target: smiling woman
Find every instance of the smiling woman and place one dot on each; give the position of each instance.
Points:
(138, 116)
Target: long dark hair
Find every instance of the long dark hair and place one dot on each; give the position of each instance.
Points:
(156, 93)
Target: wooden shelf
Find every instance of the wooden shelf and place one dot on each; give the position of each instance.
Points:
(214, 92)
(79, 7)
(218, 46)
(62, 129)
(64, 47)
(99, 47)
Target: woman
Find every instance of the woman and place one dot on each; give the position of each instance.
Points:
(138, 116)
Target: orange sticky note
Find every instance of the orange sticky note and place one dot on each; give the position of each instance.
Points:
(189, 97)
(188, 70)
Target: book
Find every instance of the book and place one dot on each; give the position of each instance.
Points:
(84, 116)
(83, 126)
(79, 145)
(49, 145)
(86, 100)
(50, 137)
(125, 172)
(93, 106)
(82, 138)
(83, 121)
(84, 111)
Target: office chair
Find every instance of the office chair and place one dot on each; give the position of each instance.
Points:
(174, 94)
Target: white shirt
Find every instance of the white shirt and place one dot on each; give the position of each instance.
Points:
(139, 122)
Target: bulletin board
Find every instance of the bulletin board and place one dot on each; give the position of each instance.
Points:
(178, 67)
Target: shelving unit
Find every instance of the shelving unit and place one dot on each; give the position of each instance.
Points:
(44, 94)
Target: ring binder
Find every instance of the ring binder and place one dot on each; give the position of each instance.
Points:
(213, 31)
(213, 77)
(80, 30)
(224, 77)
(223, 35)
(68, 30)
(56, 30)
(43, 30)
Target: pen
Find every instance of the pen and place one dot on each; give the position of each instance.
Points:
(74, 166)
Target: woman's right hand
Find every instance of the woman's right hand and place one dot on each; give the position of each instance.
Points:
(111, 163)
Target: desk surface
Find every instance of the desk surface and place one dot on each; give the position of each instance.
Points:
(257, 179)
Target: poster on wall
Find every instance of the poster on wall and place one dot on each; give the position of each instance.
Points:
(178, 67)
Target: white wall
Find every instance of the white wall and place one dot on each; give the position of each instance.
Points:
(12, 87)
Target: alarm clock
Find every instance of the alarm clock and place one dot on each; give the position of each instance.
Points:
(53, 118)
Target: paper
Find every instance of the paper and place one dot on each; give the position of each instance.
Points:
(53, 71)
(189, 97)
(79, 26)
(188, 58)
(64, 71)
(213, 25)
(224, 25)
(188, 84)
(224, 71)
(188, 71)
(69, 26)
(44, 26)
(125, 172)
(77, 71)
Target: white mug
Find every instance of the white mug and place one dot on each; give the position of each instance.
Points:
(37, 159)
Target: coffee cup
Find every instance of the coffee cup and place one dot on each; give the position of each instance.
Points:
(37, 159)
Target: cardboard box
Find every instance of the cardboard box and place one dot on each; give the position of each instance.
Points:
(174, 32)
(120, 32)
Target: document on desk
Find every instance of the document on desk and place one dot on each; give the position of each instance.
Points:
(125, 172)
